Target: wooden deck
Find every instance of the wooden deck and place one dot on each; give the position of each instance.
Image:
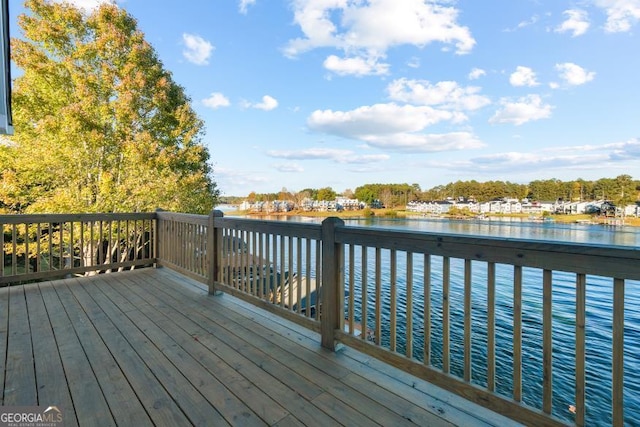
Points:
(151, 347)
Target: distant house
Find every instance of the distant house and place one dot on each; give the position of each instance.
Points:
(632, 210)
(376, 204)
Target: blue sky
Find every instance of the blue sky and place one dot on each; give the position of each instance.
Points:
(340, 93)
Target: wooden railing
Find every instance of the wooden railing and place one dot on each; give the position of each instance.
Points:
(37, 247)
(479, 316)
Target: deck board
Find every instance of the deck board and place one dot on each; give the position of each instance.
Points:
(152, 346)
(50, 378)
(120, 397)
(89, 403)
(162, 409)
(242, 372)
(192, 403)
(20, 380)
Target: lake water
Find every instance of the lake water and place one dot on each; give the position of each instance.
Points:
(598, 326)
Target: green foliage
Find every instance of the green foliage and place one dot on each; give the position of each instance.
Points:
(460, 212)
(368, 212)
(99, 123)
(389, 194)
(326, 193)
(620, 189)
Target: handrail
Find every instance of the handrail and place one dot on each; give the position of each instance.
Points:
(455, 310)
(50, 246)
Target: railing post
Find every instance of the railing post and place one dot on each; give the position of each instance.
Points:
(156, 238)
(331, 297)
(214, 249)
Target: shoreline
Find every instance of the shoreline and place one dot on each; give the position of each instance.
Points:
(389, 213)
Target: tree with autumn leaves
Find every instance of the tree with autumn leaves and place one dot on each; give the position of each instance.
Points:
(100, 125)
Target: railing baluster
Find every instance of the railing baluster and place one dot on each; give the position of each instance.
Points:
(547, 343)
(378, 297)
(226, 257)
(14, 247)
(446, 276)
(244, 262)
(282, 271)
(467, 320)
(298, 297)
(581, 282)
(427, 309)
(38, 247)
(409, 308)
(26, 248)
(393, 298)
(266, 275)
(291, 272)
(364, 285)
(491, 326)
(92, 253)
(274, 273)
(308, 277)
(60, 246)
(258, 272)
(237, 258)
(517, 333)
(319, 283)
(253, 264)
(118, 249)
(618, 353)
(351, 289)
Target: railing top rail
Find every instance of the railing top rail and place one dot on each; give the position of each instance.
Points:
(283, 228)
(75, 217)
(603, 260)
(183, 217)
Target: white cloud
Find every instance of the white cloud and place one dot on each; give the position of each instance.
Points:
(268, 103)
(197, 50)
(394, 127)
(577, 22)
(367, 30)
(621, 14)
(524, 110)
(429, 143)
(628, 150)
(244, 5)
(476, 73)
(573, 74)
(216, 100)
(385, 119)
(523, 76)
(356, 66)
(336, 155)
(523, 24)
(289, 168)
(603, 156)
(447, 94)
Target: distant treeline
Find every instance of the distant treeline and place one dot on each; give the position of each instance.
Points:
(620, 190)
